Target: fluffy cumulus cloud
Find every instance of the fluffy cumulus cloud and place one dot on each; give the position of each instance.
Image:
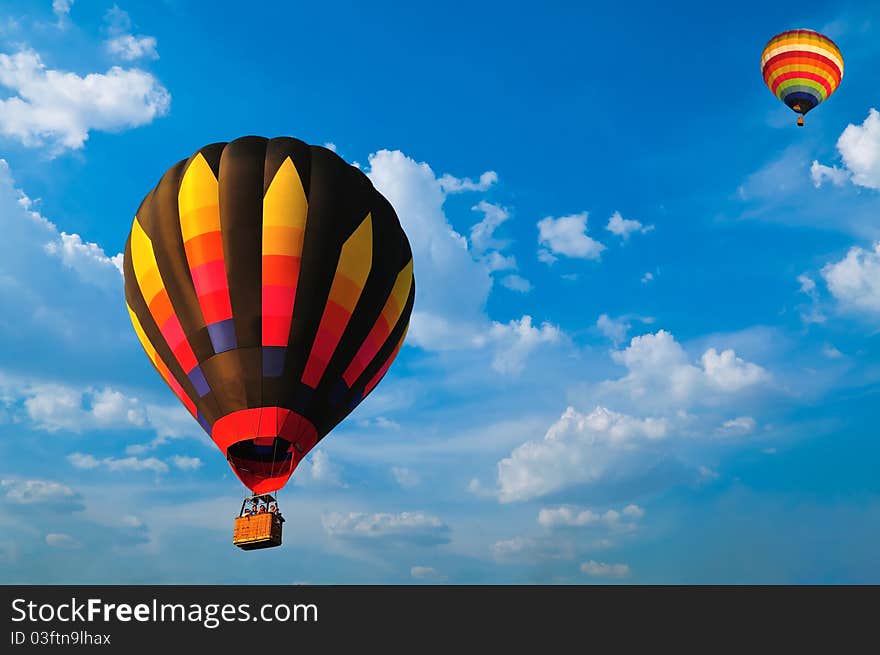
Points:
(854, 281)
(859, 147)
(122, 43)
(533, 549)
(61, 8)
(661, 375)
(623, 227)
(45, 106)
(88, 260)
(578, 449)
(117, 465)
(615, 329)
(61, 408)
(489, 249)
(516, 340)
(820, 174)
(452, 184)
(185, 462)
(566, 236)
(45, 493)
(596, 569)
(483, 232)
(568, 516)
(516, 283)
(606, 446)
(318, 470)
(129, 47)
(405, 528)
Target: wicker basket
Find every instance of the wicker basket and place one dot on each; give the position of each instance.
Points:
(257, 531)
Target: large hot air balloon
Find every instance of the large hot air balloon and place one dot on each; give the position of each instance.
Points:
(271, 286)
(802, 68)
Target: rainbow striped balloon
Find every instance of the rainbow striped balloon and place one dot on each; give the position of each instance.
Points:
(802, 68)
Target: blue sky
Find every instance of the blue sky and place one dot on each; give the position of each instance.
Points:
(644, 343)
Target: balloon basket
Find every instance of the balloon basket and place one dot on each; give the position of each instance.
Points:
(260, 529)
(800, 121)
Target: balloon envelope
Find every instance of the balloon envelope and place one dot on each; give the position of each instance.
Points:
(271, 286)
(802, 68)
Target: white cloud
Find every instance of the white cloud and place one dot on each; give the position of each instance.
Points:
(516, 283)
(406, 527)
(452, 184)
(569, 516)
(88, 260)
(634, 511)
(40, 492)
(62, 540)
(532, 549)
(405, 477)
(186, 463)
(318, 470)
(811, 312)
(807, 285)
(61, 8)
(603, 570)
(57, 407)
(495, 261)
(661, 375)
(739, 425)
(58, 108)
(381, 422)
(548, 258)
(426, 573)
(130, 47)
(647, 277)
(821, 174)
(60, 288)
(330, 146)
(623, 227)
(483, 232)
(855, 280)
(117, 465)
(730, 373)
(516, 340)
(831, 352)
(706, 474)
(567, 235)
(615, 330)
(859, 146)
(577, 449)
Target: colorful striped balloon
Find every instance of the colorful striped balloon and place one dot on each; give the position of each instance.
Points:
(271, 286)
(802, 68)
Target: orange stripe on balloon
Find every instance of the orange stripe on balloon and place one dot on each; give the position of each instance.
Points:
(380, 331)
(285, 211)
(152, 287)
(384, 369)
(352, 270)
(199, 208)
(159, 365)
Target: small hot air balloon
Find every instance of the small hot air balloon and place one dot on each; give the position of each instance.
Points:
(802, 68)
(271, 286)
